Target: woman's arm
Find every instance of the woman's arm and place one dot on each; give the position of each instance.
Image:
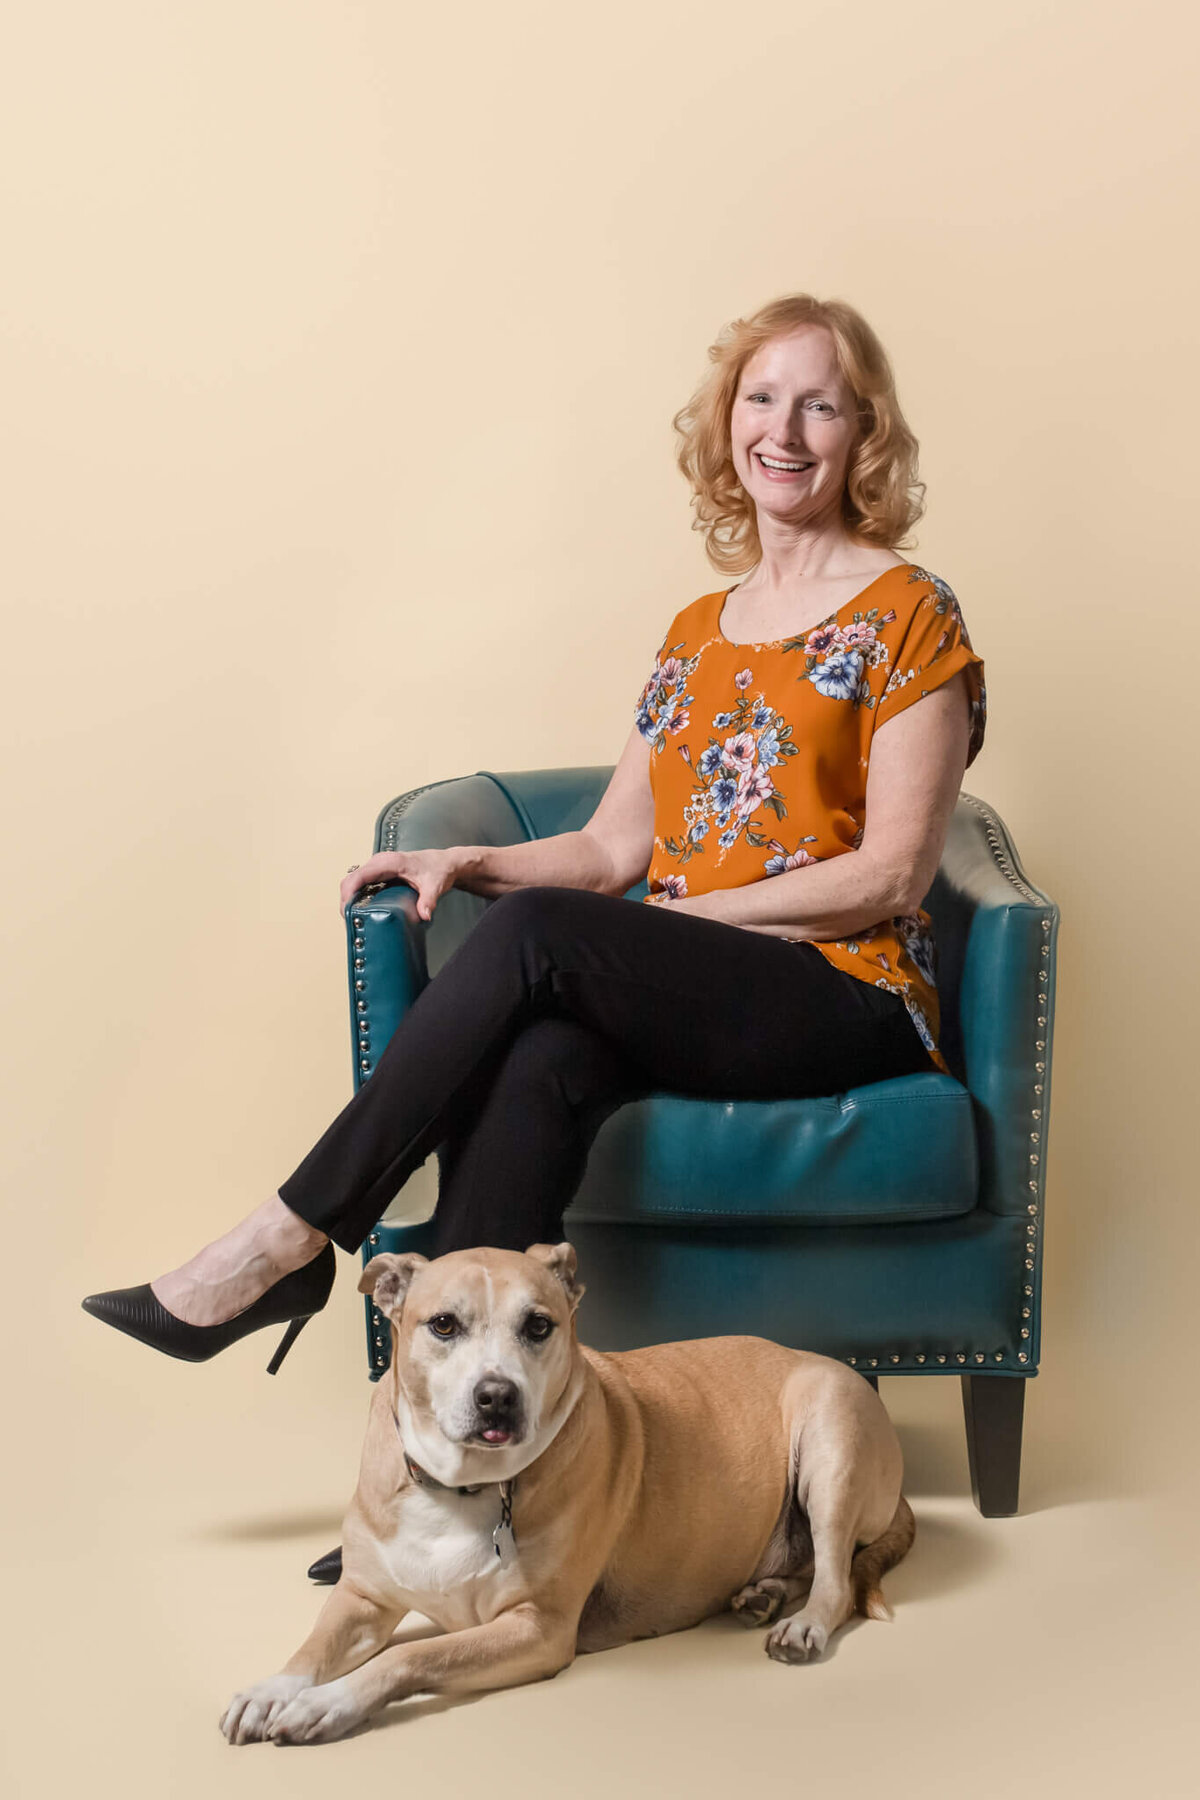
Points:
(608, 855)
(917, 764)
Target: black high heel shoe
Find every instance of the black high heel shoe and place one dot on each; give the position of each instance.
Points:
(296, 1297)
(327, 1570)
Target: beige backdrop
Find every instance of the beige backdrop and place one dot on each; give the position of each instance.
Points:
(341, 345)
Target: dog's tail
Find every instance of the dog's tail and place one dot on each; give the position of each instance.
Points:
(870, 1564)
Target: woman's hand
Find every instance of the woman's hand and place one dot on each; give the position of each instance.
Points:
(430, 872)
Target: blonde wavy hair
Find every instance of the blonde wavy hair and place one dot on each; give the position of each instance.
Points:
(882, 499)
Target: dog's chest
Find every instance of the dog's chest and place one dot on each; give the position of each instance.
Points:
(442, 1557)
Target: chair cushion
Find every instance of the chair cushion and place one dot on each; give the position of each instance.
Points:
(896, 1150)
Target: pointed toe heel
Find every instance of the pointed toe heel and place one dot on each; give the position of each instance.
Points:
(327, 1570)
(140, 1314)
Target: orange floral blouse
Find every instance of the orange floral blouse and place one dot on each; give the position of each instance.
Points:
(759, 754)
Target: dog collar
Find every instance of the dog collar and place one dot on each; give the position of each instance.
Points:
(424, 1479)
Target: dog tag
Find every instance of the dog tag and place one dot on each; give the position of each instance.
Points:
(506, 1523)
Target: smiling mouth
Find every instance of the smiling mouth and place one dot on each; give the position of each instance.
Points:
(782, 465)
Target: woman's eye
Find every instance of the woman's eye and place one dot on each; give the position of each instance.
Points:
(443, 1324)
(821, 403)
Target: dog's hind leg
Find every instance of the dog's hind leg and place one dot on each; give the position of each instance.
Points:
(831, 1516)
(848, 1473)
(844, 1490)
(761, 1602)
(785, 1571)
(834, 1598)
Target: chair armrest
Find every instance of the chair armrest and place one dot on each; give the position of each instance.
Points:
(997, 938)
(388, 967)
(510, 808)
(391, 952)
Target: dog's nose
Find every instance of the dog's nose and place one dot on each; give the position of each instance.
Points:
(496, 1397)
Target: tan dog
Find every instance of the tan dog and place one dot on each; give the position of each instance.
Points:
(535, 1498)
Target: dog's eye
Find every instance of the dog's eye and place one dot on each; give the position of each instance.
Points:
(538, 1327)
(443, 1325)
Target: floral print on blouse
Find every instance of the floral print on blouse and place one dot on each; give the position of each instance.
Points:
(759, 754)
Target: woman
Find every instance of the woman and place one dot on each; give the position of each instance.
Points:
(757, 751)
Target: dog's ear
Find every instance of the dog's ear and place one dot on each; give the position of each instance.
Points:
(560, 1260)
(387, 1279)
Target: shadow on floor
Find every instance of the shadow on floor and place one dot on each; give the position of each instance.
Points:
(935, 1461)
(1064, 1460)
(275, 1528)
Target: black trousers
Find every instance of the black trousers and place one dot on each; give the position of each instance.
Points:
(559, 1006)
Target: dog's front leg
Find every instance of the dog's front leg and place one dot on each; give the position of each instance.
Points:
(525, 1644)
(349, 1629)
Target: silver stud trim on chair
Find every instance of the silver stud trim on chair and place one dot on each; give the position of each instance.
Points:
(396, 811)
(1034, 1184)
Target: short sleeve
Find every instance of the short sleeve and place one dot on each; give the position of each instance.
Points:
(935, 645)
(662, 705)
(647, 707)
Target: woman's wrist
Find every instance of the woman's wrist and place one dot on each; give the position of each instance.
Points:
(467, 859)
(568, 859)
(470, 865)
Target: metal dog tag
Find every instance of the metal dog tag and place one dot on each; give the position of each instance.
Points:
(506, 1523)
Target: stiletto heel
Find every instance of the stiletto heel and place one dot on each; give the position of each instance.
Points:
(140, 1313)
(288, 1339)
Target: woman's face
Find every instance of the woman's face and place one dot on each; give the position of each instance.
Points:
(792, 406)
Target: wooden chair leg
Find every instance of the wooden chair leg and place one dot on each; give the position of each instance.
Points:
(993, 1408)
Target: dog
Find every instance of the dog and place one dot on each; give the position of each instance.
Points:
(535, 1498)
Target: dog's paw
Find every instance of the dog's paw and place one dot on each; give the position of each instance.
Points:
(760, 1602)
(317, 1716)
(797, 1639)
(246, 1718)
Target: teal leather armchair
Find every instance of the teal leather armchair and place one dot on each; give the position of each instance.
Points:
(896, 1226)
